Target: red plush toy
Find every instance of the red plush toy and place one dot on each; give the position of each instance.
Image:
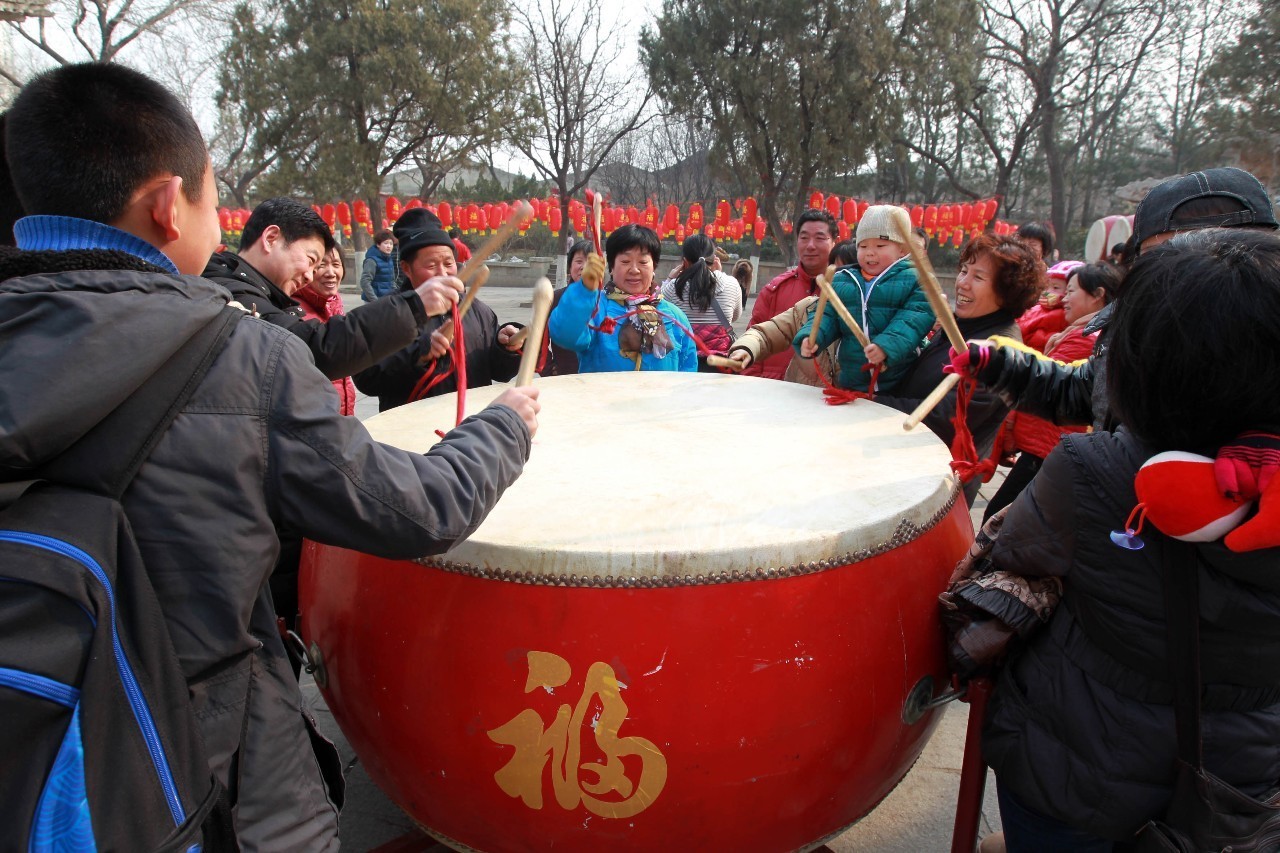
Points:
(1197, 499)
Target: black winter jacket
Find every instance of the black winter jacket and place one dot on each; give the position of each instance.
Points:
(346, 344)
(258, 448)
(986, 411)
(392, 380)
(1081, 726)
(1066, 394)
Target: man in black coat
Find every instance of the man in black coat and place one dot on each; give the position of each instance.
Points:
(282, 244)
(426, 252)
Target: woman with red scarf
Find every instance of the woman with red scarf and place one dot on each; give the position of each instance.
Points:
(320, 301)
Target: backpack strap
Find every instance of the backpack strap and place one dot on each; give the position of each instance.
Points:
(106, 459)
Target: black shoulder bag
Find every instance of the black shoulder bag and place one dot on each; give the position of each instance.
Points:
(1207, 813)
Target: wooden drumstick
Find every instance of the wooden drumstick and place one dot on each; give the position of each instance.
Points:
(517, 340)
(835, 303)
(723, 361)
(597, 214)
(523, 211)
(480, 276)
(928, 404)
(817, 317)
(929, 281)
(538, 325)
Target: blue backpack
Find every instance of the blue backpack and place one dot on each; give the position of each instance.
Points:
(101, 748)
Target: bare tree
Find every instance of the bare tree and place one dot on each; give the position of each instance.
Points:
(588, 106)
(99, 30)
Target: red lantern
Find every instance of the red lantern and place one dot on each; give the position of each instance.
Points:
(844, 230)
(417, 202)
(393, 208)
(787, 227)
(722, 214)
(555, 220)
(993, 207)
(473, 217)
(930, 219)
(224, 219)
(966, 215)
(344, 214)
(490, 220)
(862, 209)
(650, 217)
(833, 206)
(695, 218)
(482, 221)
(670, 219)
(761, 229)
(736, 230)
(361, 211)
(850, 210)
(578, 216)
(815, 200)
(330, 215)
(917, 216)
(749, 211)
(444, 211)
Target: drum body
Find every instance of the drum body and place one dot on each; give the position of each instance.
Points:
(693, 622)
(1105, 233)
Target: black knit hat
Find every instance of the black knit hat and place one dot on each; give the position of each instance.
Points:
(420, 227)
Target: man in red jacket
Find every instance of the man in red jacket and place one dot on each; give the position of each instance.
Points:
(815, 238)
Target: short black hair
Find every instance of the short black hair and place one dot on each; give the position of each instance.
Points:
(1098, 276)
(632, 236)
(295, 220)
(83, 138)
(1205, 304)
(815, 214)
(845, 253)
(1039, 232)
(579, 247)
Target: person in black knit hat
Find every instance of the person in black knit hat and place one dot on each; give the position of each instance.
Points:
(426, 367)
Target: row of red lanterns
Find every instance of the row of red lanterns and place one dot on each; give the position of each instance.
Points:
(945, 221)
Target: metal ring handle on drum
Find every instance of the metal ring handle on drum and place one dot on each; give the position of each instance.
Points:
(312, 658)
(921, 700)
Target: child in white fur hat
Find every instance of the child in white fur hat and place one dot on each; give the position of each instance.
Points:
(883, 294)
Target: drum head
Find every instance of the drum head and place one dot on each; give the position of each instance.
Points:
(676, 474)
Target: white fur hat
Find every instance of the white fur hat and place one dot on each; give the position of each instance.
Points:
(880, 223)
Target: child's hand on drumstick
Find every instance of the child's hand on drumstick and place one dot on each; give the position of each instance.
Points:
(808, 349)
(593, 272)
(741, 356)
(522, 400)
(874, 354)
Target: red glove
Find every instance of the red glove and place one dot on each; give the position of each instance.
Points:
(972, 360)
(1246, 467)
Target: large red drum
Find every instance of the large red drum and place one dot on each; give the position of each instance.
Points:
(703, 618)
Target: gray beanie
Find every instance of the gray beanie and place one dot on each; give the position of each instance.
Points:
(879, 223)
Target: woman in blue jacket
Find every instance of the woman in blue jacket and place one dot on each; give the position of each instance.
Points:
(628, 325)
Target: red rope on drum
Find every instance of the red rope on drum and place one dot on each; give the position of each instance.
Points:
(837, 396)
(964, 453)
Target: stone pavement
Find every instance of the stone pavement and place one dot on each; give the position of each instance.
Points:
(916, 818)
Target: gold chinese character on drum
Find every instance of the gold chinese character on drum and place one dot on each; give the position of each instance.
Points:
(561, 744)
(703, 618)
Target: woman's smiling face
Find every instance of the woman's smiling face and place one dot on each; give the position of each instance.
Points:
(975, 287)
